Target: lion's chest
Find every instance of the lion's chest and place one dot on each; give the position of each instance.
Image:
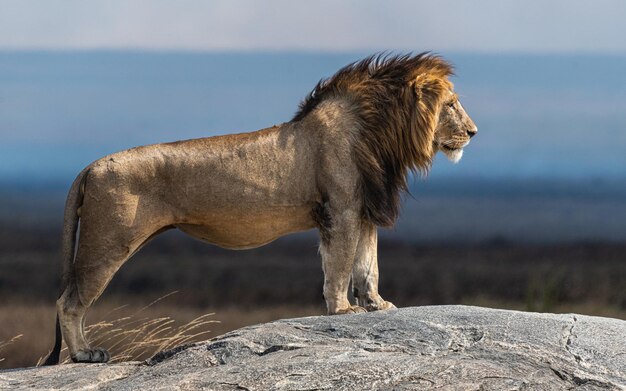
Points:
(250, 229)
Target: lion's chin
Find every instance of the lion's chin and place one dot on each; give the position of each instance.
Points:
(454, 155)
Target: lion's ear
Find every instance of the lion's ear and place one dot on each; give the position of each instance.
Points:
(430, 89)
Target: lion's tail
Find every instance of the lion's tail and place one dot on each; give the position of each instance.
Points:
(70, 227)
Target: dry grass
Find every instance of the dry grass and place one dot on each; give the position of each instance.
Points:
(4, 344)
(138, 337)
(133, 331)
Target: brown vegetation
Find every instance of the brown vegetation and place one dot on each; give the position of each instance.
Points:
(131, 331)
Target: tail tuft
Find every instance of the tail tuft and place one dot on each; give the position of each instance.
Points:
(55, 354)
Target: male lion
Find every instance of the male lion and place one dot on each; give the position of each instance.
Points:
(340, 165)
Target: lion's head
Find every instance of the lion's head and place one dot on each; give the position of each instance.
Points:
(404, 110)
(454, 129)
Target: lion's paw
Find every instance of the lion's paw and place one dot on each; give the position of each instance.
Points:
(381, 306)
(96, 355)
(353, 309)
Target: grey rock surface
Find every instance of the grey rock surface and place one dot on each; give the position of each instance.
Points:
(419, 348)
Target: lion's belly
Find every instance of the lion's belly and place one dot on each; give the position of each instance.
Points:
(250, 229)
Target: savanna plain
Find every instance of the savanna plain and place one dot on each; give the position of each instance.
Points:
(178, 290)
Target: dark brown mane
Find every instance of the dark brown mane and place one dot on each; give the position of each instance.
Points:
(395, 100)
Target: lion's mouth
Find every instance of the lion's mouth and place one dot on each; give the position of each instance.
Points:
(448, 148)
(452, 147)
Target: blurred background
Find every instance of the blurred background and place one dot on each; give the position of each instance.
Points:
(532, 218)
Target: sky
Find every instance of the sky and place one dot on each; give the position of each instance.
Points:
(562, 26)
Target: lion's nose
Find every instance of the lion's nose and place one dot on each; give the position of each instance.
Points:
(472, 132)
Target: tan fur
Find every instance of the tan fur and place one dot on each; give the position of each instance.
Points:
(339, 165)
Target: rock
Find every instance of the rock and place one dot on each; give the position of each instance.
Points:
(441, 347)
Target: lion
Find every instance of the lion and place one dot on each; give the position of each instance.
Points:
(340, 165)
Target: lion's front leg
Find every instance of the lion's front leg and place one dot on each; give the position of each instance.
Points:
(338, 249)
(365, 271)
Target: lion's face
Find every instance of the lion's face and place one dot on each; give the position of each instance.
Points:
(454, 129)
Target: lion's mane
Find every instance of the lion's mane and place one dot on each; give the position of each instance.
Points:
(395, 100)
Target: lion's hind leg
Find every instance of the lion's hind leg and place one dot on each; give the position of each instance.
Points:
(72, 312)
(365, 272)
(98, 257)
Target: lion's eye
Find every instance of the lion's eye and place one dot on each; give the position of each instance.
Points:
(451, 104)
